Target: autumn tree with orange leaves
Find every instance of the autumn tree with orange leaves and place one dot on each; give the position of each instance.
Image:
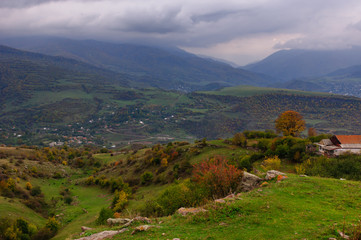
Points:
(290, 123)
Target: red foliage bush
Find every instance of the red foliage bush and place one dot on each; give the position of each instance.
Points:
(217, 175)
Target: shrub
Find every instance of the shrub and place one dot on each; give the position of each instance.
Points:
(35, 191)
(146, 178)
(28, 186)
(217, 175)
(52, 224)
(346, 166)
(120, 200)
(68, 200)
(271, 163)
(239, 139)
(104, 214)
(186, 194)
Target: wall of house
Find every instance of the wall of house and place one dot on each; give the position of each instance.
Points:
(338, 152)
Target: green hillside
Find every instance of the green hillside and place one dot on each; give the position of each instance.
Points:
(75, 184)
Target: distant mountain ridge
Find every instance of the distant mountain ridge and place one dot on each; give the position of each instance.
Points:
(292, 64)
(169, 68)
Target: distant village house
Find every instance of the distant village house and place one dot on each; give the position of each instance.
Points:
(340, 144)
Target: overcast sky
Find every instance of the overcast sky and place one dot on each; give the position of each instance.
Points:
(241, 31)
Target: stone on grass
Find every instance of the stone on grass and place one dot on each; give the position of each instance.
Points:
(103, 235)
(142, 219)
(281, 177)
(186, 211)
(84, 228)
(273, 174)
(117, 221)
(142, 228)
(249, 182)
(221, 200)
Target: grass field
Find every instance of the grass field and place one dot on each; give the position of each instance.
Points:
(297, 208)
(14, 209)
(248, 91)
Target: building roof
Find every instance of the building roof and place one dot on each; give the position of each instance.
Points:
(326, 142)
(349, 139)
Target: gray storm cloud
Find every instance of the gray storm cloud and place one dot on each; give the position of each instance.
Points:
(202, 24)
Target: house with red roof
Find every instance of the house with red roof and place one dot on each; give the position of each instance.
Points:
(340, 144)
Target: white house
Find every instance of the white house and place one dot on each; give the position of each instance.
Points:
(340, 144)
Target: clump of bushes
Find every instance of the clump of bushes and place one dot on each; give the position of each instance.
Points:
(271, 163)
(146, 178)
(346, 166)
(186, 194)
(21, 229)
(217, 175)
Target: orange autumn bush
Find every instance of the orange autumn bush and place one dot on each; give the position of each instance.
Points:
(217, 175)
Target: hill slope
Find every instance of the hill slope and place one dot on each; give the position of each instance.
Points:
(296, 63)
(169, 68)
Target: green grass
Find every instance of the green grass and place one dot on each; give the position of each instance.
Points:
(248, 91)
(297, 208)
(228, 152)
(91, 199)
(14, 209)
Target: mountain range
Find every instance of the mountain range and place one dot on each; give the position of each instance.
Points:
(167, 68)
(93, 92)
(293, 64)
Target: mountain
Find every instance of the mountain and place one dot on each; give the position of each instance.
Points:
(346, 81)
(22, 73)
(169, 68)
(292, 64)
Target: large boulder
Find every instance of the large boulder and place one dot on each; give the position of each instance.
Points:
(273, 174)
(249, 182)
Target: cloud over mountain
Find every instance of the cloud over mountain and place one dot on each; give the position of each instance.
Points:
(205, 26)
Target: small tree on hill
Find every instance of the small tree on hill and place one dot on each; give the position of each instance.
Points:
(290, 123)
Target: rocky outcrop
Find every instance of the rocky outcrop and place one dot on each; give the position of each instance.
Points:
(273, 174)
(249, 182)
(103, 235)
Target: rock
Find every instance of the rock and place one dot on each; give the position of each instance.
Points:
(249, 182)
(344, 236)
(103, 235)
(142, 228)
(142, 219)
(176, 238)
(186, 211)
(118, 221)
(273, 173)
(281, 177)
(84, 228)
(221, 200)
(303, 175)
